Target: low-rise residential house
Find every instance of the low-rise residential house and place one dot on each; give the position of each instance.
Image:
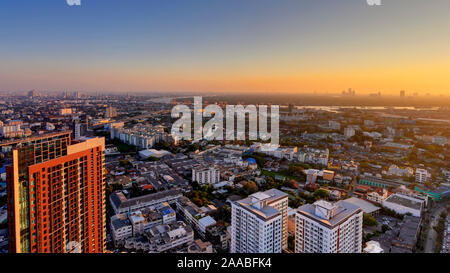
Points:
(377, 196)
(162, 238)
(328, 175)
(199, 246)
(126, 225)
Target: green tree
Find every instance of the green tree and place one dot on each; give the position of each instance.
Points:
(135, 190)
(193, 147)
(251, 187)
(124, 163)
(291, 243)
(321, 194)
(295, 170)
(369, 220)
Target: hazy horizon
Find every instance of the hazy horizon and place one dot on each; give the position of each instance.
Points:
(223, 93)
(394, 96)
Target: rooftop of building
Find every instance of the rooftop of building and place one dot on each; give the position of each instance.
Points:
(366, 206)
(120, 222)
(343, 210)
(120, 201)
(275, 194)
(145, 215)
(35, 138)
(163, 234)
(155, 153)
(403, 201)
(199, 246)
(408, 231)
(265, 212)
(373, 247)
(159, 238)
(207, 221)
(189, 206)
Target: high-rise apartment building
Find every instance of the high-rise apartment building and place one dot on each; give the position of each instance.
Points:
(140, 136)
(280, 201)
(349, 132)
(80, 127)
(10, 131)
(325, 227)
(56, 195)
(33, 93)
(421, 175)
(259, 223)
(205, 175)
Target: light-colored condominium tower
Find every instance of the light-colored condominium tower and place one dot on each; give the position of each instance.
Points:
(279, 200)
(325, 227)
(257, 223)
(206, 175)
(421, 175)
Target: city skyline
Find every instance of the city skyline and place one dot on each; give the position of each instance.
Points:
(226, 46)
(110, 174)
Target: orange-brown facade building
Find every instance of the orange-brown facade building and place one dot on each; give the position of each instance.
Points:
(56, 195)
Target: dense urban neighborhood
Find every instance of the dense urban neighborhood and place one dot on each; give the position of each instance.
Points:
(342, 179)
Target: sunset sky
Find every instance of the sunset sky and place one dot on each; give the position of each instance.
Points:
(295, 46)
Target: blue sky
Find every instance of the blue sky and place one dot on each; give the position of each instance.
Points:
(224, 45)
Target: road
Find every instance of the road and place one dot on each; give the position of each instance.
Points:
(354, 184)
(3, 216)
(431, 233)
(445, 248)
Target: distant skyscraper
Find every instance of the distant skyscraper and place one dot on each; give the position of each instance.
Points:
(402, 93)
(80, 126)
(291, 108)
(33, 93)
(111, 112)
(56, 199)
(259, 223)
(350, 92)
(325, 227)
